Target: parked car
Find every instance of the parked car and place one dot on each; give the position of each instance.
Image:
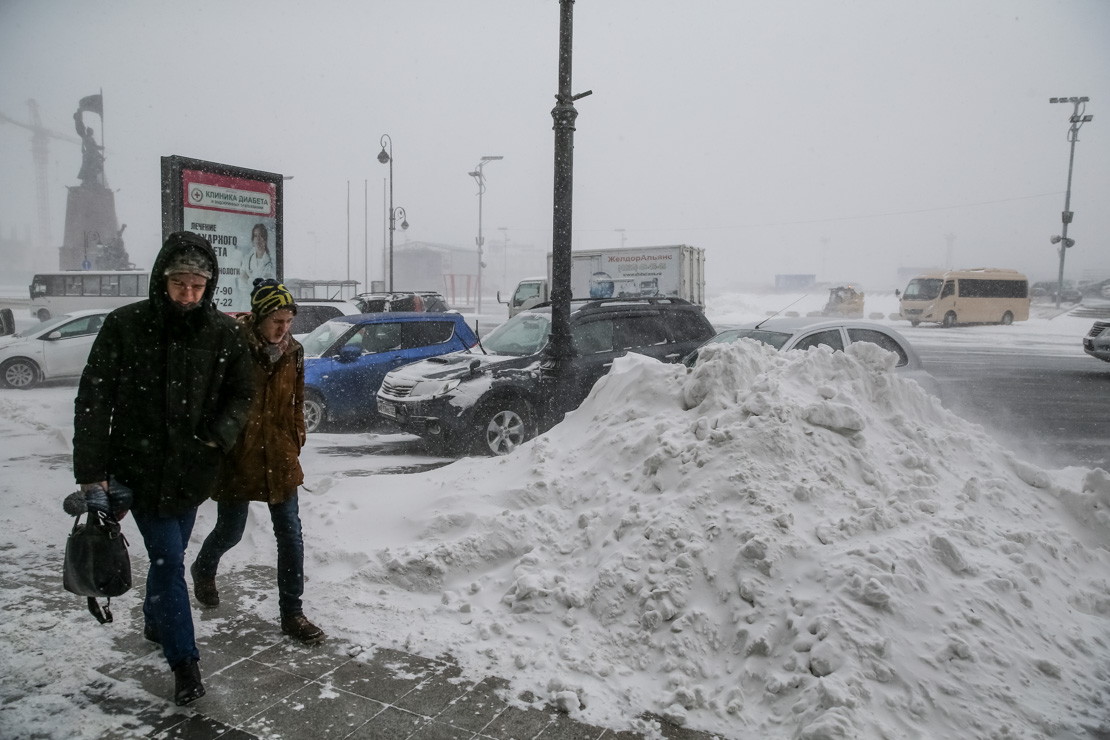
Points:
(347, 357)
(413, 300)
(1097, 341)
(787, 333)
(493, 398)
(54, 349)
(310, 314)
(1069, 294)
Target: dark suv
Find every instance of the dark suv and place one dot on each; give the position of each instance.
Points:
(493, 397)
(417, 300)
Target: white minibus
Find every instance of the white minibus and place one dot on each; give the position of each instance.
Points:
(56, 293)
(977, 296)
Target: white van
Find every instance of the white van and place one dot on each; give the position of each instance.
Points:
(978, 296)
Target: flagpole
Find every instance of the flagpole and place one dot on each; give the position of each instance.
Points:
(103, 138)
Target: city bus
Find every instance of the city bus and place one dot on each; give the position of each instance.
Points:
(57, 293)
(979, 296)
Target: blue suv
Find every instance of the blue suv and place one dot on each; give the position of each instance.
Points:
(347, 357)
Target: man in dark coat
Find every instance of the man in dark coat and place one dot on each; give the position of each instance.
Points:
(264, 464)
(163, 398)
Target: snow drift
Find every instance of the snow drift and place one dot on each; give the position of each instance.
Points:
(776, 545)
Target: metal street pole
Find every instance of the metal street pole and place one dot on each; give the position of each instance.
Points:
(480, 176)
(1077, 121)
(348, 229)
(365, 234)
(563, 115)
(387, 158)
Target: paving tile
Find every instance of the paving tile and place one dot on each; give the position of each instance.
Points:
(237, 633)
(476, 708)
(384, 675)
(137, 717)
(316, 711)
(245, 689)
(390, 724)
(149, 672)
(309, 661)
(432, 695)
(199, 727)
(439, 731)
(518, 724)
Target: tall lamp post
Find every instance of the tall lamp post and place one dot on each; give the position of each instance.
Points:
(387, 158)
(480, 177)
(1077, 120)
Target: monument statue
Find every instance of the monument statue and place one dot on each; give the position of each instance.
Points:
(92, 154)
(91, 206)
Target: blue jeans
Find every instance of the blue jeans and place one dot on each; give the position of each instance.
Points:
(232, 520)
(166, 605)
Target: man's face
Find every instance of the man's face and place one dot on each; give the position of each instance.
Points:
(275, 325)
(185, 288)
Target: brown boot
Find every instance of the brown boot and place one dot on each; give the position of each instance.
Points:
(300, 629)
(204, 589)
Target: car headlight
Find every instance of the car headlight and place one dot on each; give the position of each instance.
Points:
(434, 388)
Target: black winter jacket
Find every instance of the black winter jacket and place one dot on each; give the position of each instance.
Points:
(158, 385)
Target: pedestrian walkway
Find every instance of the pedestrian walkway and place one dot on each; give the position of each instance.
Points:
(262, 685)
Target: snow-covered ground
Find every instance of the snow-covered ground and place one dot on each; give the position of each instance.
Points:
(772, 545)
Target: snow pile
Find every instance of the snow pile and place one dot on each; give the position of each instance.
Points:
(773, 545)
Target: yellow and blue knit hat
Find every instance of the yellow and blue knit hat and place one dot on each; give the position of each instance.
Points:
(269, 296)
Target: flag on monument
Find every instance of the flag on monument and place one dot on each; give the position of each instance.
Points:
(93, 103)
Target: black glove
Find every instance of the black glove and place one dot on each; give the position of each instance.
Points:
(96, 499)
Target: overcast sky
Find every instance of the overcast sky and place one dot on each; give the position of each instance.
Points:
(841, 138)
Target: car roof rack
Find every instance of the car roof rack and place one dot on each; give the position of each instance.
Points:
(588, 304)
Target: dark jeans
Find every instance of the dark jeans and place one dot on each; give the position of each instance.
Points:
(166, 605)
(230, 523)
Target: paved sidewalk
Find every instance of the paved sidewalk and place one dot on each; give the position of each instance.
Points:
(262, 685)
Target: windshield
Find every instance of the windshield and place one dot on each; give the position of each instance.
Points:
(523, 334)
(45, 326)
(774, 338)
(323, 337)
(922, 289)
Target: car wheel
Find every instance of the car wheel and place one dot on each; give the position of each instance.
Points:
(43, 314)
(950, 318)
(314, 412)
(502, 427)
(915, 323)
(1007, 318)
(20, 373)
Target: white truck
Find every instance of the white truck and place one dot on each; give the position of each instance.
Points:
(675, 271)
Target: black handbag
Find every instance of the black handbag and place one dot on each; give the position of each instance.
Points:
(96, 562)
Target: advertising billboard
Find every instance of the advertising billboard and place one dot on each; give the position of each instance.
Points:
(238, 210)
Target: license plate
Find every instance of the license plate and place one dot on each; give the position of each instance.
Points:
(387, 409)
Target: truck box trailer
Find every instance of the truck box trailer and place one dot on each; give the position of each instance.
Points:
(674, 271)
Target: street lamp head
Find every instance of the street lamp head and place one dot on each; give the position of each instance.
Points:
(383, 157)
(404, 225)
(490, 159)
(475, 173)
(1054, 239)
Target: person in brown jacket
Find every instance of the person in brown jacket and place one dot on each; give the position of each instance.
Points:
(264, 465)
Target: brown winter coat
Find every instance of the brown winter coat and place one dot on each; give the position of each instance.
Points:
(264, 464)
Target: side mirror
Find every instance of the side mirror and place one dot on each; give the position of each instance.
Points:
(54, 335)
(499, 298)
(349, 353)
(7, 322)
